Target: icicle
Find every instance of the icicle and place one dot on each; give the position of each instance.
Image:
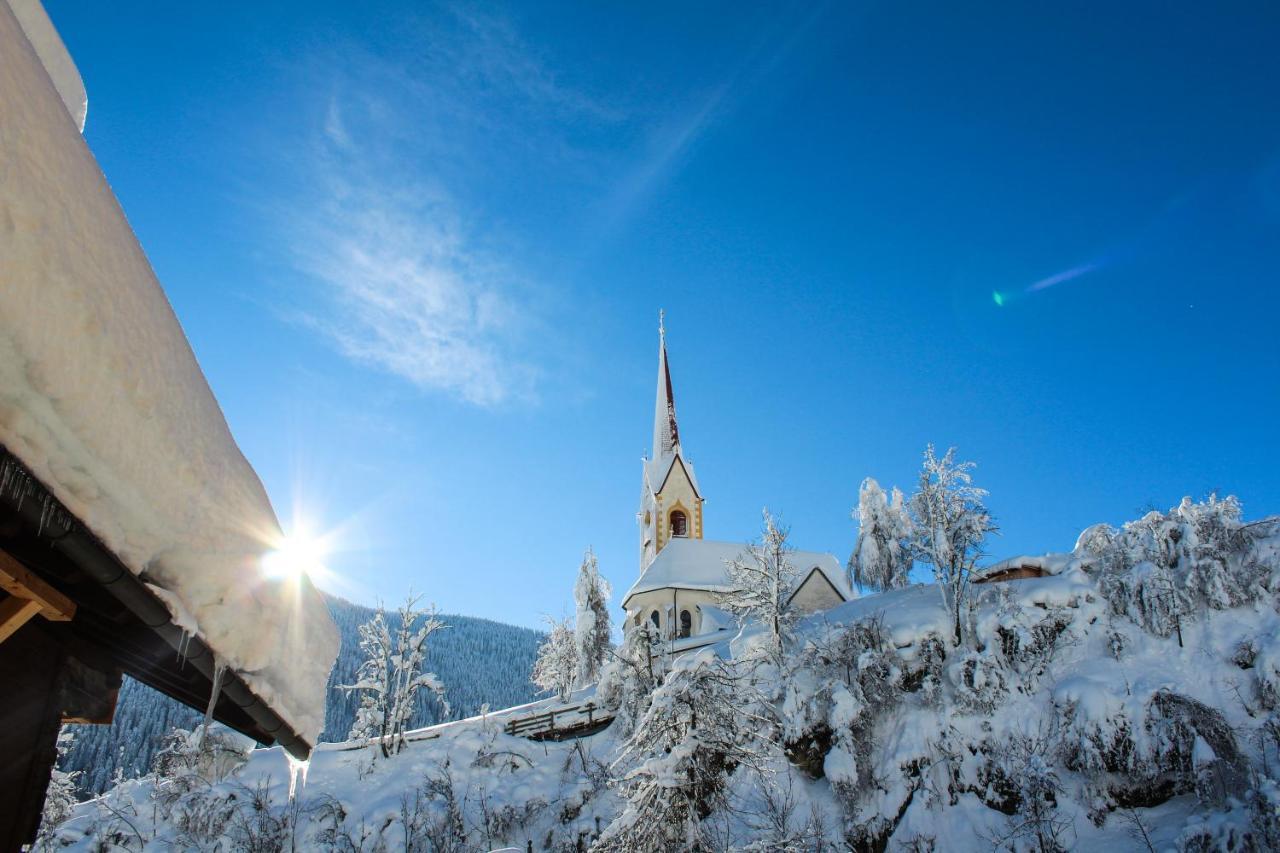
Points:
(53, 513)
(296, 768)
(44, 516)
(219, 670)
(183, 645)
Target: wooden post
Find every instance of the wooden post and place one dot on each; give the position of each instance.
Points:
(30, 662)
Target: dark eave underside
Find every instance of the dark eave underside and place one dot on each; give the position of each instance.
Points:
(119, 623)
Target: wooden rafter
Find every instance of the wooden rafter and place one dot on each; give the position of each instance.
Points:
(28, 596)
(14, 613)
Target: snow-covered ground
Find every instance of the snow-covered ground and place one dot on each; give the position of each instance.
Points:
(1081, 711)
(102, 399)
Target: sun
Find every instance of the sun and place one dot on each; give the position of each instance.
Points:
(296, 555)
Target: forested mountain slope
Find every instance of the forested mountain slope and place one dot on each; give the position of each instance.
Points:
(479, 662)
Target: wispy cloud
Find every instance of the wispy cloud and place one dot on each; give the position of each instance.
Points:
(406, 292)
(426, 150)
(390, 225)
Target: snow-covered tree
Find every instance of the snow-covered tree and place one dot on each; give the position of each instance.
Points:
(950, 522)
(1095, 540)
(629, 676)
(881, 559)
(60, 796)
(195, 758)
(761, 582)
(556, 669)
(392, 674)
(1158, 569)
(592, 629)
(704, 723)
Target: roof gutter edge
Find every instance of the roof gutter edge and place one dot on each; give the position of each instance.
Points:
(68, 534)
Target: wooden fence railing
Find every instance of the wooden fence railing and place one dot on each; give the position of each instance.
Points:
(560, 722)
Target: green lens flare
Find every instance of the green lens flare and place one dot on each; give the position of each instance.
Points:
(997, 297)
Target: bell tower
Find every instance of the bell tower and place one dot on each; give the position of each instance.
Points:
(670, 501)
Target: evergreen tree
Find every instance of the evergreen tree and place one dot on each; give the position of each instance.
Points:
(592, 629)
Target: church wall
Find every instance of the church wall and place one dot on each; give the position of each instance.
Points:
(668, 602)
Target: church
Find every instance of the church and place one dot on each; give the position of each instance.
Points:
(681, 571)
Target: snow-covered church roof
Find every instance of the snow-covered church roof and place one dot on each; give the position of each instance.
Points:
(657, 470)
(700, 564)
(102, 400)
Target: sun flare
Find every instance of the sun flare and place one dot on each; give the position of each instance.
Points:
(297, 554)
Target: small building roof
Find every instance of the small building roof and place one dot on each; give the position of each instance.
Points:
(1044, 564)
(701, 564)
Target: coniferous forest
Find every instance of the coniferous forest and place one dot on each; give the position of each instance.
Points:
(479, 661)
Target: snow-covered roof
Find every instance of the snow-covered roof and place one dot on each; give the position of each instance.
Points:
(102, 399)
(656, 471)
(53, 55)
(1050, 564)
(700, 564)
(715, 619)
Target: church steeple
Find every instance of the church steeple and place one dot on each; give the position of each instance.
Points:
(670, 501)
(666, 435)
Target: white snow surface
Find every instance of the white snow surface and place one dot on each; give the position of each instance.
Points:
(700, 564)
(552, 793)
(102, 398)
(53, 55)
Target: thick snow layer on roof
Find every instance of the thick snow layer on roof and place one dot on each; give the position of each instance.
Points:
(1050, 564)
(53, 55)
(700, 564)
(101, 397)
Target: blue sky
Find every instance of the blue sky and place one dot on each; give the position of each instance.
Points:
(420, 249)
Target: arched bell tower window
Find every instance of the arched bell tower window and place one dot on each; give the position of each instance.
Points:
(686, 623)
(653, 617)
(679, 523)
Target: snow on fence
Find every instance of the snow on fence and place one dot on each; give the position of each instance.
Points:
(571, 723)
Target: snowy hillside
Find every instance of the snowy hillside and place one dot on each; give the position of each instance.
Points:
(1128, 700)
(479, 661)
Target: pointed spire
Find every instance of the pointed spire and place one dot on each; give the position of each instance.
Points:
(666, 436)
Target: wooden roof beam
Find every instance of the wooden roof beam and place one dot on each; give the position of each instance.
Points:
(14, 613)
(28, 596)
(16, 580)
